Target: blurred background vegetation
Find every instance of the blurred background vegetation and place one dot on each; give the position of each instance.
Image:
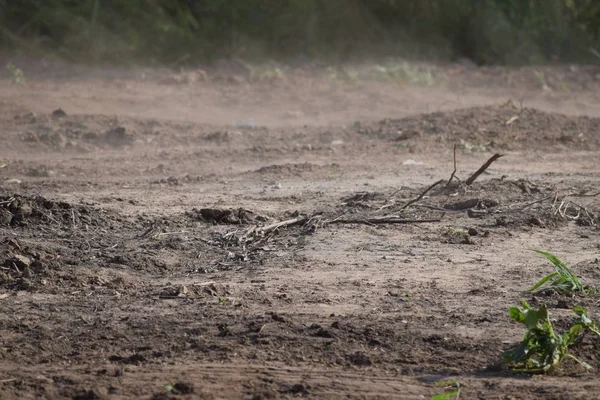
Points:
(175, 31)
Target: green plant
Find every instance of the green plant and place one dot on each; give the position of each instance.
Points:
(561, 280)
(542, 348)
(404, 73)
(451, 384)
(456, 232)
(18, 77)
(340, 75)
(541, 77)
(585, 320)
(472, 147)
(264, 72)
(415, 76)
(169, 387)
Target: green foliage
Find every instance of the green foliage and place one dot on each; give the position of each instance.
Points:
(542, 348)
(169, 387)
(451, 384)
(561, 280)
(585, 320)
(18, 77)
(486, 31)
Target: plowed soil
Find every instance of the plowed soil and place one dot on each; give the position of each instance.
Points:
(226, 233)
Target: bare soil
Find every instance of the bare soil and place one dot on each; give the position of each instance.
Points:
(141, 257)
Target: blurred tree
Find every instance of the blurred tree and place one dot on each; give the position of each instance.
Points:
(487, 31)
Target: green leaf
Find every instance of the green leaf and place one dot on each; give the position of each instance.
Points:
(573, 334)
(542, 282)
(533, 317)
(553, 259)
(586, 320)
(516, 314)
(562, 278)
(579, 310)
(525, 305)
(582, 314)
(446, 396)
(451, 382)
(518, 354)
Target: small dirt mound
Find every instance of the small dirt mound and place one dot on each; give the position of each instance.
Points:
(61, 132)
(227, 216)
(285, 170)
(74, 139)
(500, 202)
(35, 211)
(505, 127)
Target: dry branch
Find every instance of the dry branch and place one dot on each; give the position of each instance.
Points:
(554, 194)
(481, 170)
(419, 197)
(384, 220)
(289, 222)
(583, 194)
(454, 171)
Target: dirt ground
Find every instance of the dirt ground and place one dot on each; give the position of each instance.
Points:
(141, 257)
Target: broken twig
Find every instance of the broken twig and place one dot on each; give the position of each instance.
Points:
(384, 220)
(454, 171)
(482, 169)
(419, 197)
(554, 194)
(289, 222)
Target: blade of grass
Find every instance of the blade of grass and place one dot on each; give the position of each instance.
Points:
(566, 279)
(561, 267)
(543, 281)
